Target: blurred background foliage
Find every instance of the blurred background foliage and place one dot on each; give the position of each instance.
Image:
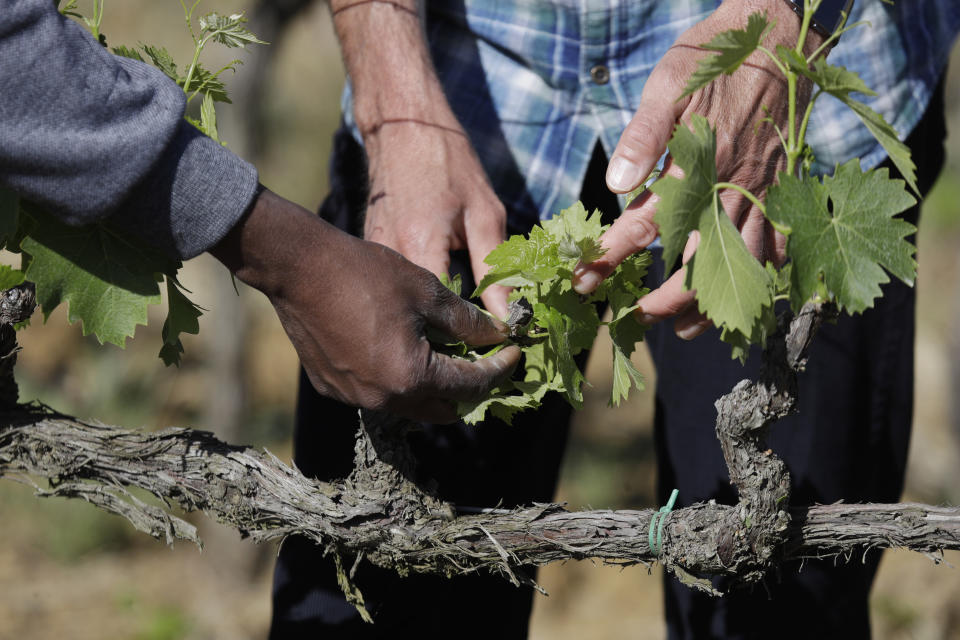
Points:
(67, 570)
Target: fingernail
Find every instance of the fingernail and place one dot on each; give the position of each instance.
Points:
(691, 332)
(646, 318)
(585, 280)
(622, 175)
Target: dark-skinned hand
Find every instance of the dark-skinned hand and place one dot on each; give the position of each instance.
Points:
(357, 314)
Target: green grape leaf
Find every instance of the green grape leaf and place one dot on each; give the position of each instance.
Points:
(10, 277)
(887, 136)
(834, 79)
(763, 327)
(558, 350)
(9, 217)
(537, 369)
(522, 261)
(208, 83)
(162, 60)
(564, 323)
(840, 83)
(625, 376)
(503, 404)
(575, 223)
(506, 401)
(182, 317)
(127, 52)
(683, 202)
(625, 332)
(208, 117)
(227, 30)
(780, 278)
(553, 247)
(582, 319)
(732, 286)
(584, 250)
(841, 231)
(577, 233)
(624, 289)
(732, 47)
(107, 280)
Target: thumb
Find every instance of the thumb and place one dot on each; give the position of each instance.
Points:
(469, 381)
(462, 320)
(645, 138)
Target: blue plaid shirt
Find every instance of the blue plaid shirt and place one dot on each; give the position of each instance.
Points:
(517, 75)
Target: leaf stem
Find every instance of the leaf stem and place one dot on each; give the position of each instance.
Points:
(773, 57)
(835, 35)
(744, 192)
(809, 8)
(188, 16)
(193, 64)
(213, 77)
(802, 137)
(97, 19)
(795, 145)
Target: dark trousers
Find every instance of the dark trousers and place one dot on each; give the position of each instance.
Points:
(848, 442)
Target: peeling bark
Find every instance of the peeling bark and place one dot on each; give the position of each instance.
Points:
(265, 499)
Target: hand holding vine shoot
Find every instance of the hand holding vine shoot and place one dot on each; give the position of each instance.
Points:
(719, 167)
(357, 313)
(748, 109)
(841, 235)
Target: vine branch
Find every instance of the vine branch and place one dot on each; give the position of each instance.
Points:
(380, 515)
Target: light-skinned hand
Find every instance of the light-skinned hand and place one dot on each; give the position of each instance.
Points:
(749, 152)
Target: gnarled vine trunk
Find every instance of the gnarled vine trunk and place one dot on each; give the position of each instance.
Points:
(379, 515)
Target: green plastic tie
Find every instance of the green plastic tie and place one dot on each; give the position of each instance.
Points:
(656, 522)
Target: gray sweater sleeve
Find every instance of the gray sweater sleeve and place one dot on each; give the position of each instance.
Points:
(95, 137)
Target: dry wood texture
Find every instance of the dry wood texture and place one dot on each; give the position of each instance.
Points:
(378, 514)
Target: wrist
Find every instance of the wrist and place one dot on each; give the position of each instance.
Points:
(412, 101)
(263, 246)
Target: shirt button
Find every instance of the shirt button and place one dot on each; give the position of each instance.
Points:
(600, 74)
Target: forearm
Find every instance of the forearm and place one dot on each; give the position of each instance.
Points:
(389, 65)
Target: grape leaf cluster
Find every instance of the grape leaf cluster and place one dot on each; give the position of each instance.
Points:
(562, 323)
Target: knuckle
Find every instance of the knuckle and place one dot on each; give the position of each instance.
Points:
(639, 230)
(437, 297)
(497, 214)
(640, 139)
(374, 399)
(676, 305)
